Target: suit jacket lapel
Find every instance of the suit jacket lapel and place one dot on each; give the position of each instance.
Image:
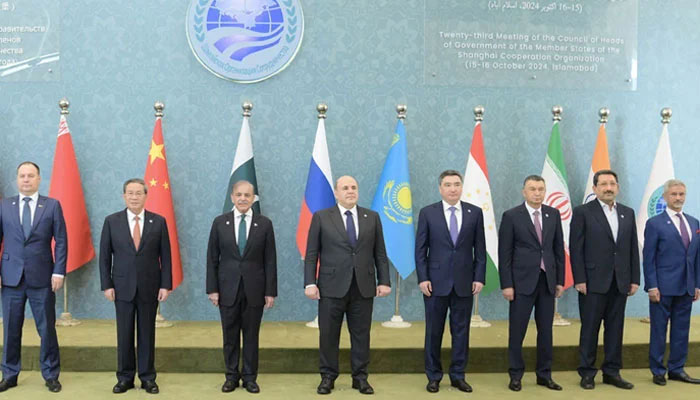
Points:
(363, 223)
(528, 222)
(599, 214)
(440, 211)
(147, 225)
(124, 226)
(15, 211)
(670, 225)
(466, 214)
(339, 225)
(231, 220)
(40, 206)
(252, 231)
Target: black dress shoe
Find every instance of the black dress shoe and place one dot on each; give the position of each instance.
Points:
(683, 377)
(150, 387)
(433, 386)
(251, 387)
(326, 385)
(4, 385)
(617, 381)
(548, 383)
(363, 386)
(659, 380)
(122, 387)
(54, 385)
(587, 382)
(462, 385)
(229, 386)
(515, 385)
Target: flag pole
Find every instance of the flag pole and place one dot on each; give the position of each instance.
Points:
(477, 321)
(322, 108)
(66, 319)
(161, 322)
(396, 320)
(666, 114)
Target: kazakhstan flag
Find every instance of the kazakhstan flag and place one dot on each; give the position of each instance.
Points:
(393, 203)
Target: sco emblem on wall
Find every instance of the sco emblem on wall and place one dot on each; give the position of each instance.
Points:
(245, 41)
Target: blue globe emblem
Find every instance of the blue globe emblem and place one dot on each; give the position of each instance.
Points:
(656, 204)
(245, 40)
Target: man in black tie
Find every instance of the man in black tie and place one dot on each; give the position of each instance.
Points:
(531, 268)
(135, 273)
(241, 281)
(347, 244)
(605, 264)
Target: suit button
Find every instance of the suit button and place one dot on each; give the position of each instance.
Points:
(353, 253)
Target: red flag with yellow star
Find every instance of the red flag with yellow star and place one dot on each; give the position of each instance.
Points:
(160, 199)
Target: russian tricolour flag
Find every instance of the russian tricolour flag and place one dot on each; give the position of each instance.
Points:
(319, 187)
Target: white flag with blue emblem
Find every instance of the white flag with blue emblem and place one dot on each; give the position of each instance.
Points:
(653, 202)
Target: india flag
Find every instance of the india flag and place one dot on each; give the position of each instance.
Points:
(653, 202)
(601, 161)
(477, 191)
(554, 174)
(243, 164)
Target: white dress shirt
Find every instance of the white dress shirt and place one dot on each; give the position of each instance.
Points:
(32, 208)
(677, 222)
(132, 221)
(458, 213)
(611, 216)
(237, 221)
(531, 211)
(353, 210)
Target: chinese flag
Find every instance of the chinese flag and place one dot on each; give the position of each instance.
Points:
(160, 199)
(66, 187)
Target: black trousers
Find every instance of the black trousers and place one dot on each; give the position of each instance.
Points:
(358, 311)
(144, 315)
(519, 317)
(609, 308)
(239, 318)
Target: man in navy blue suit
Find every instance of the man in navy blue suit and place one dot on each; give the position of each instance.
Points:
(451, 268)
(672, 281)
(29, 271)
(531, 257)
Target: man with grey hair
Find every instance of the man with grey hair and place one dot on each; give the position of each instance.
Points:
(673, 283)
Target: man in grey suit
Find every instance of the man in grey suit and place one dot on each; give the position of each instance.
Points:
(347, 244)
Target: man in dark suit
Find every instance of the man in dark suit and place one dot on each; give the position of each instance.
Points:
(135, 272)
(347, 243)
(241, 280)
(673, 283)
(29, 271)
(531, 268)
(605, 264)
(451, 269)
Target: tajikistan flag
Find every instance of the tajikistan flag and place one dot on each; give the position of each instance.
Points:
(243, 166)
(554, 174)
(477, 191)
(653, 202)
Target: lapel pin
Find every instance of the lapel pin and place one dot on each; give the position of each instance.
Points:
(255, 224)
(364, 215)
(228, 223)
(698, 231)
(150, 221)
(546, 215)
(41, 205)
(668, 222)
(13, 203)
(622, 215)
(469, 211)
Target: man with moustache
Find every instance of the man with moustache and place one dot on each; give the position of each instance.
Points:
(605, 264)
(29, 271)
(451, 269)
(136, 274)
(241, 281)
(673, 283)
(347, 244)
(531, 268)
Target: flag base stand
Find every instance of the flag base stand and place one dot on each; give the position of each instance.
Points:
(560, 321)
(161, 322)
(313, 324)
(66, 319)
(645, 320)
(478, 322)
(396, 321)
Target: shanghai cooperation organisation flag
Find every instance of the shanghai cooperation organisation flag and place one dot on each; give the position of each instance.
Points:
(243, 167)
(477, 191)
(392, 201)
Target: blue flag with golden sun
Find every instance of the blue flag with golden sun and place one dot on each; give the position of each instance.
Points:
(393, 203)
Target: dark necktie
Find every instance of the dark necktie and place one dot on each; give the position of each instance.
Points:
(538, 230)
(454, 229)
(241, 234)
(685, 236)
(27, 217)
(350, 228)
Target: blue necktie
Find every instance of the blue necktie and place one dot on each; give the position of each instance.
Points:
(454, 229)
(350, 227)
(241, 234)
(27, 218)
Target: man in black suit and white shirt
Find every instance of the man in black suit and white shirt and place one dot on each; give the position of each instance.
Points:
(348, 243)
(605, 264)
(241, 281)
(135, 273)
(531, 267)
